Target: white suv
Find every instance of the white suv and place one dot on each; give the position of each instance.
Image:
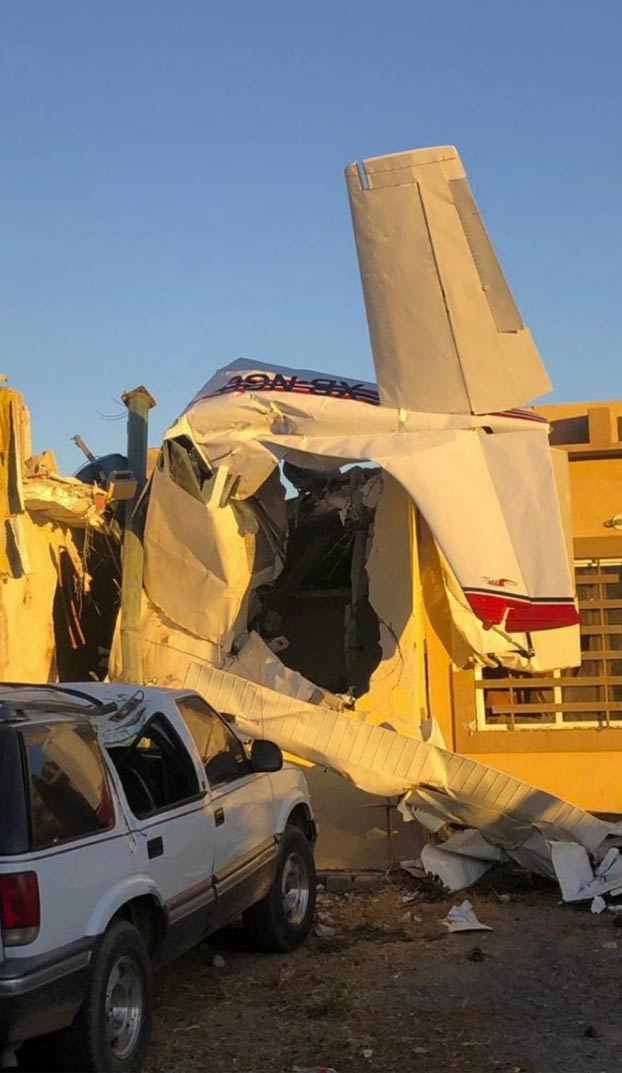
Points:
(133, 823)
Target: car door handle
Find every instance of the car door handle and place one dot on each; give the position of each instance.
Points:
(219, 816)
(155, 847)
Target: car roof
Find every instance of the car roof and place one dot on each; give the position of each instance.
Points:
(66, 701)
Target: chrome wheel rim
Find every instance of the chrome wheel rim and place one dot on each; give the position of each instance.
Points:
(125, 1000)
(295, 890)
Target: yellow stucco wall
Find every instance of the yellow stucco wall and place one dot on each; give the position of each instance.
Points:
(584, 765)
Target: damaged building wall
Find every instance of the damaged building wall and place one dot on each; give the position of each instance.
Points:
(319, 565)
(318, 612)
(397, 692)
(51, 529)
(27, 637)
(576, 760)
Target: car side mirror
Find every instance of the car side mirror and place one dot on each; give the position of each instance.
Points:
(266, 756)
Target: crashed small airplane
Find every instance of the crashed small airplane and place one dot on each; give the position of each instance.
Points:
(295, 518)
(301, 528)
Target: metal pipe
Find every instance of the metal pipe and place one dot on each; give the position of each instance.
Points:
(138, 402)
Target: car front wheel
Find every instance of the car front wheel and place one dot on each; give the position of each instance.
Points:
(283, 919)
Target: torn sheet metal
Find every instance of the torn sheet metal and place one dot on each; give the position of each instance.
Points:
(445, 331)
(576, 877)
(461, 860)
(205, 550)
(167, 650)
(396, 695)
(504, 809)
(254, 416)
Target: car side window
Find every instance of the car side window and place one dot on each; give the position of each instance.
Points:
(68, 785)
(221, 751)
(156, 770)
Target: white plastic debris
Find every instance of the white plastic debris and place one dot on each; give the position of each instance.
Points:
(598, 905)
(574, 872)
(462, 918)
(218, 961)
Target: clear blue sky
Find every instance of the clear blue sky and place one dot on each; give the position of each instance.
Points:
(172, 190)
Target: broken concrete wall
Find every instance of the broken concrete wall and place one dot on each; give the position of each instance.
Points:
(396, 694)
(27, 639)
(47, 523)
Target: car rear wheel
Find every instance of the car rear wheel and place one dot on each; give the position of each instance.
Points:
(283, 919)
(111, 1031)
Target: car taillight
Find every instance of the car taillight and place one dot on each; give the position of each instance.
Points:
(20, 912)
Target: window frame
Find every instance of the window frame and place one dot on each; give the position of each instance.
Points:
(221, 719)
(200, 793)
(558, 677)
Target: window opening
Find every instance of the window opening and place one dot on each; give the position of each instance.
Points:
(586, 696)
(156, 770)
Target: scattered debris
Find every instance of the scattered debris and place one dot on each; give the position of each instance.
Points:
(323, 931)
(462, 918)
(218, 961)
(598, 905)
(577, 880)
(338, 882)
(489, 1015)
(415, 869)
(372, 933)
(461, 860)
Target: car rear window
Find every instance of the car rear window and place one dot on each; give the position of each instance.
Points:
(69, 790)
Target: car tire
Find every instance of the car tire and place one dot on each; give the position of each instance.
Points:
(283, 919)
(110, 1033)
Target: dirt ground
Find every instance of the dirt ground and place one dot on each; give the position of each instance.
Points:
(391, 991)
